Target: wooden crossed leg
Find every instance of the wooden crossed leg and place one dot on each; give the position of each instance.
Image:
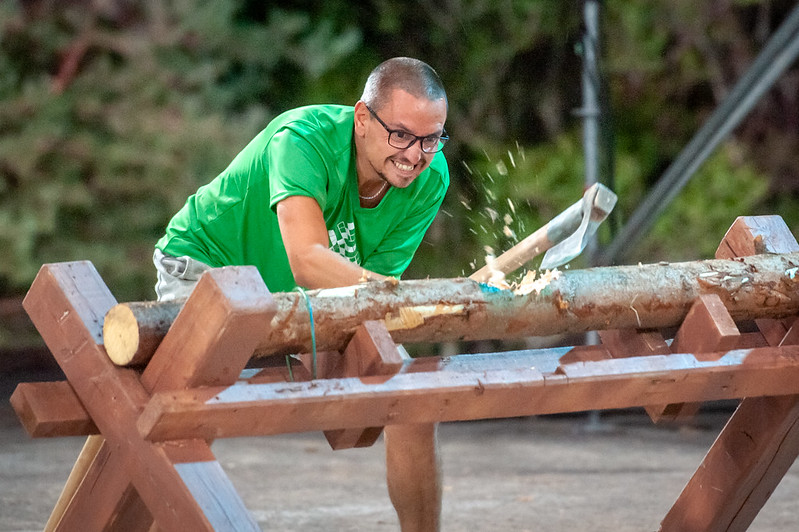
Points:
(123, 488)
(761, 440)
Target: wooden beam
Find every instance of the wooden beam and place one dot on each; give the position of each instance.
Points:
(737, 475)
(427, 397)
(546, 360)
(48, 409)
(756, 235)
(215, 334)
(791, 336)
(98, 498)
(87, 455)
(643, 296)
(707, 328)
(623, 343)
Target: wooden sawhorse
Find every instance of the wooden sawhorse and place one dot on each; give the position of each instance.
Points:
(153, 467)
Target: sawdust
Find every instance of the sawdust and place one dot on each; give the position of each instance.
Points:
(506, 230)
(366, 278)
(530, 283)
(497, 279)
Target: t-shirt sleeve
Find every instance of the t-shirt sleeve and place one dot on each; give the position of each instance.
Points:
(295, 168)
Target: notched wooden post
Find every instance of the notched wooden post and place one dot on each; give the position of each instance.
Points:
(707, 330)
(373, 356)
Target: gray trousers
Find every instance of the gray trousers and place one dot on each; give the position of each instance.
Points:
(177, 276)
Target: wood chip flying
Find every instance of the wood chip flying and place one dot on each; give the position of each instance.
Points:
(530, 284)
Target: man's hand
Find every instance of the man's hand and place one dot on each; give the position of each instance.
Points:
(305, 238)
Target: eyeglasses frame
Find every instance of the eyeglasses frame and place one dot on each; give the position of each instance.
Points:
(442, 139)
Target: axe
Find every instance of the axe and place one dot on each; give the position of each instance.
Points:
(563, 238)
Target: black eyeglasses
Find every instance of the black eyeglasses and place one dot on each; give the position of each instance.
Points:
(403, 140)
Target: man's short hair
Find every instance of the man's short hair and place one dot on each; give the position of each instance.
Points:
(415, 77)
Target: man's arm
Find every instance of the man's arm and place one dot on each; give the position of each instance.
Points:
(305, 238)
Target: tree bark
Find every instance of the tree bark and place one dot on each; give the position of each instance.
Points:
(437, 310)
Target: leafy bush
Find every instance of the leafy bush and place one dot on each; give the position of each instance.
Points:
(112, 113)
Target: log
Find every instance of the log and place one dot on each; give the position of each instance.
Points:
(576, 301)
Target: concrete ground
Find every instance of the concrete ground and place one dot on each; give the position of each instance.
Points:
(543, 474)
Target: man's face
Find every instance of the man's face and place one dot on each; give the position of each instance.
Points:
(402, 112)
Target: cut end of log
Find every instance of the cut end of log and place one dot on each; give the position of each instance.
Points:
(121, 336)
(133, 331)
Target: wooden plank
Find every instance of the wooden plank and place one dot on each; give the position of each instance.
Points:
(791, 336)
(622, 343)
(132, 514)
(373, 352)
(762, 435)
(773, 331)
(708, 328)
(87, 455)
(97, 498)
(66, 303)
(211, 488)
(588, 353)
(428, 397)
(754, 235)
(547, 360)
(48, 409)
(778, 455)
(209, 343)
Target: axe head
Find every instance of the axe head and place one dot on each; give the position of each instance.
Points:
(596, 204)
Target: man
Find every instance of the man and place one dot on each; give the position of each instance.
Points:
(327, 196)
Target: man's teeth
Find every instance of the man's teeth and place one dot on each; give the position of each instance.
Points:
(403, 167)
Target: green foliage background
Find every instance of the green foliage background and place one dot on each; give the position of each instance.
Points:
(113, 112)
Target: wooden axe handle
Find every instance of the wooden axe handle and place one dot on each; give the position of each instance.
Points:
(516, 256)
(544, 238)
(551, 234)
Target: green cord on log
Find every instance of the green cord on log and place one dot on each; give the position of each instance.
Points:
(313, 333)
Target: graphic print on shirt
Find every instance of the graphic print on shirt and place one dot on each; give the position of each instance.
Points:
(342, 241)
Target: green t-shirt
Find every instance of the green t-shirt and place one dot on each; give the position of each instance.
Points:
(308, 151)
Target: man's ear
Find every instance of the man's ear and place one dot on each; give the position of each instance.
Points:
(361, 116)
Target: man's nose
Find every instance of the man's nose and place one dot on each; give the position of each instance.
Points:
(414, 152)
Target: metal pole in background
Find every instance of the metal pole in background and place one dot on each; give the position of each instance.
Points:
(590, 113)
